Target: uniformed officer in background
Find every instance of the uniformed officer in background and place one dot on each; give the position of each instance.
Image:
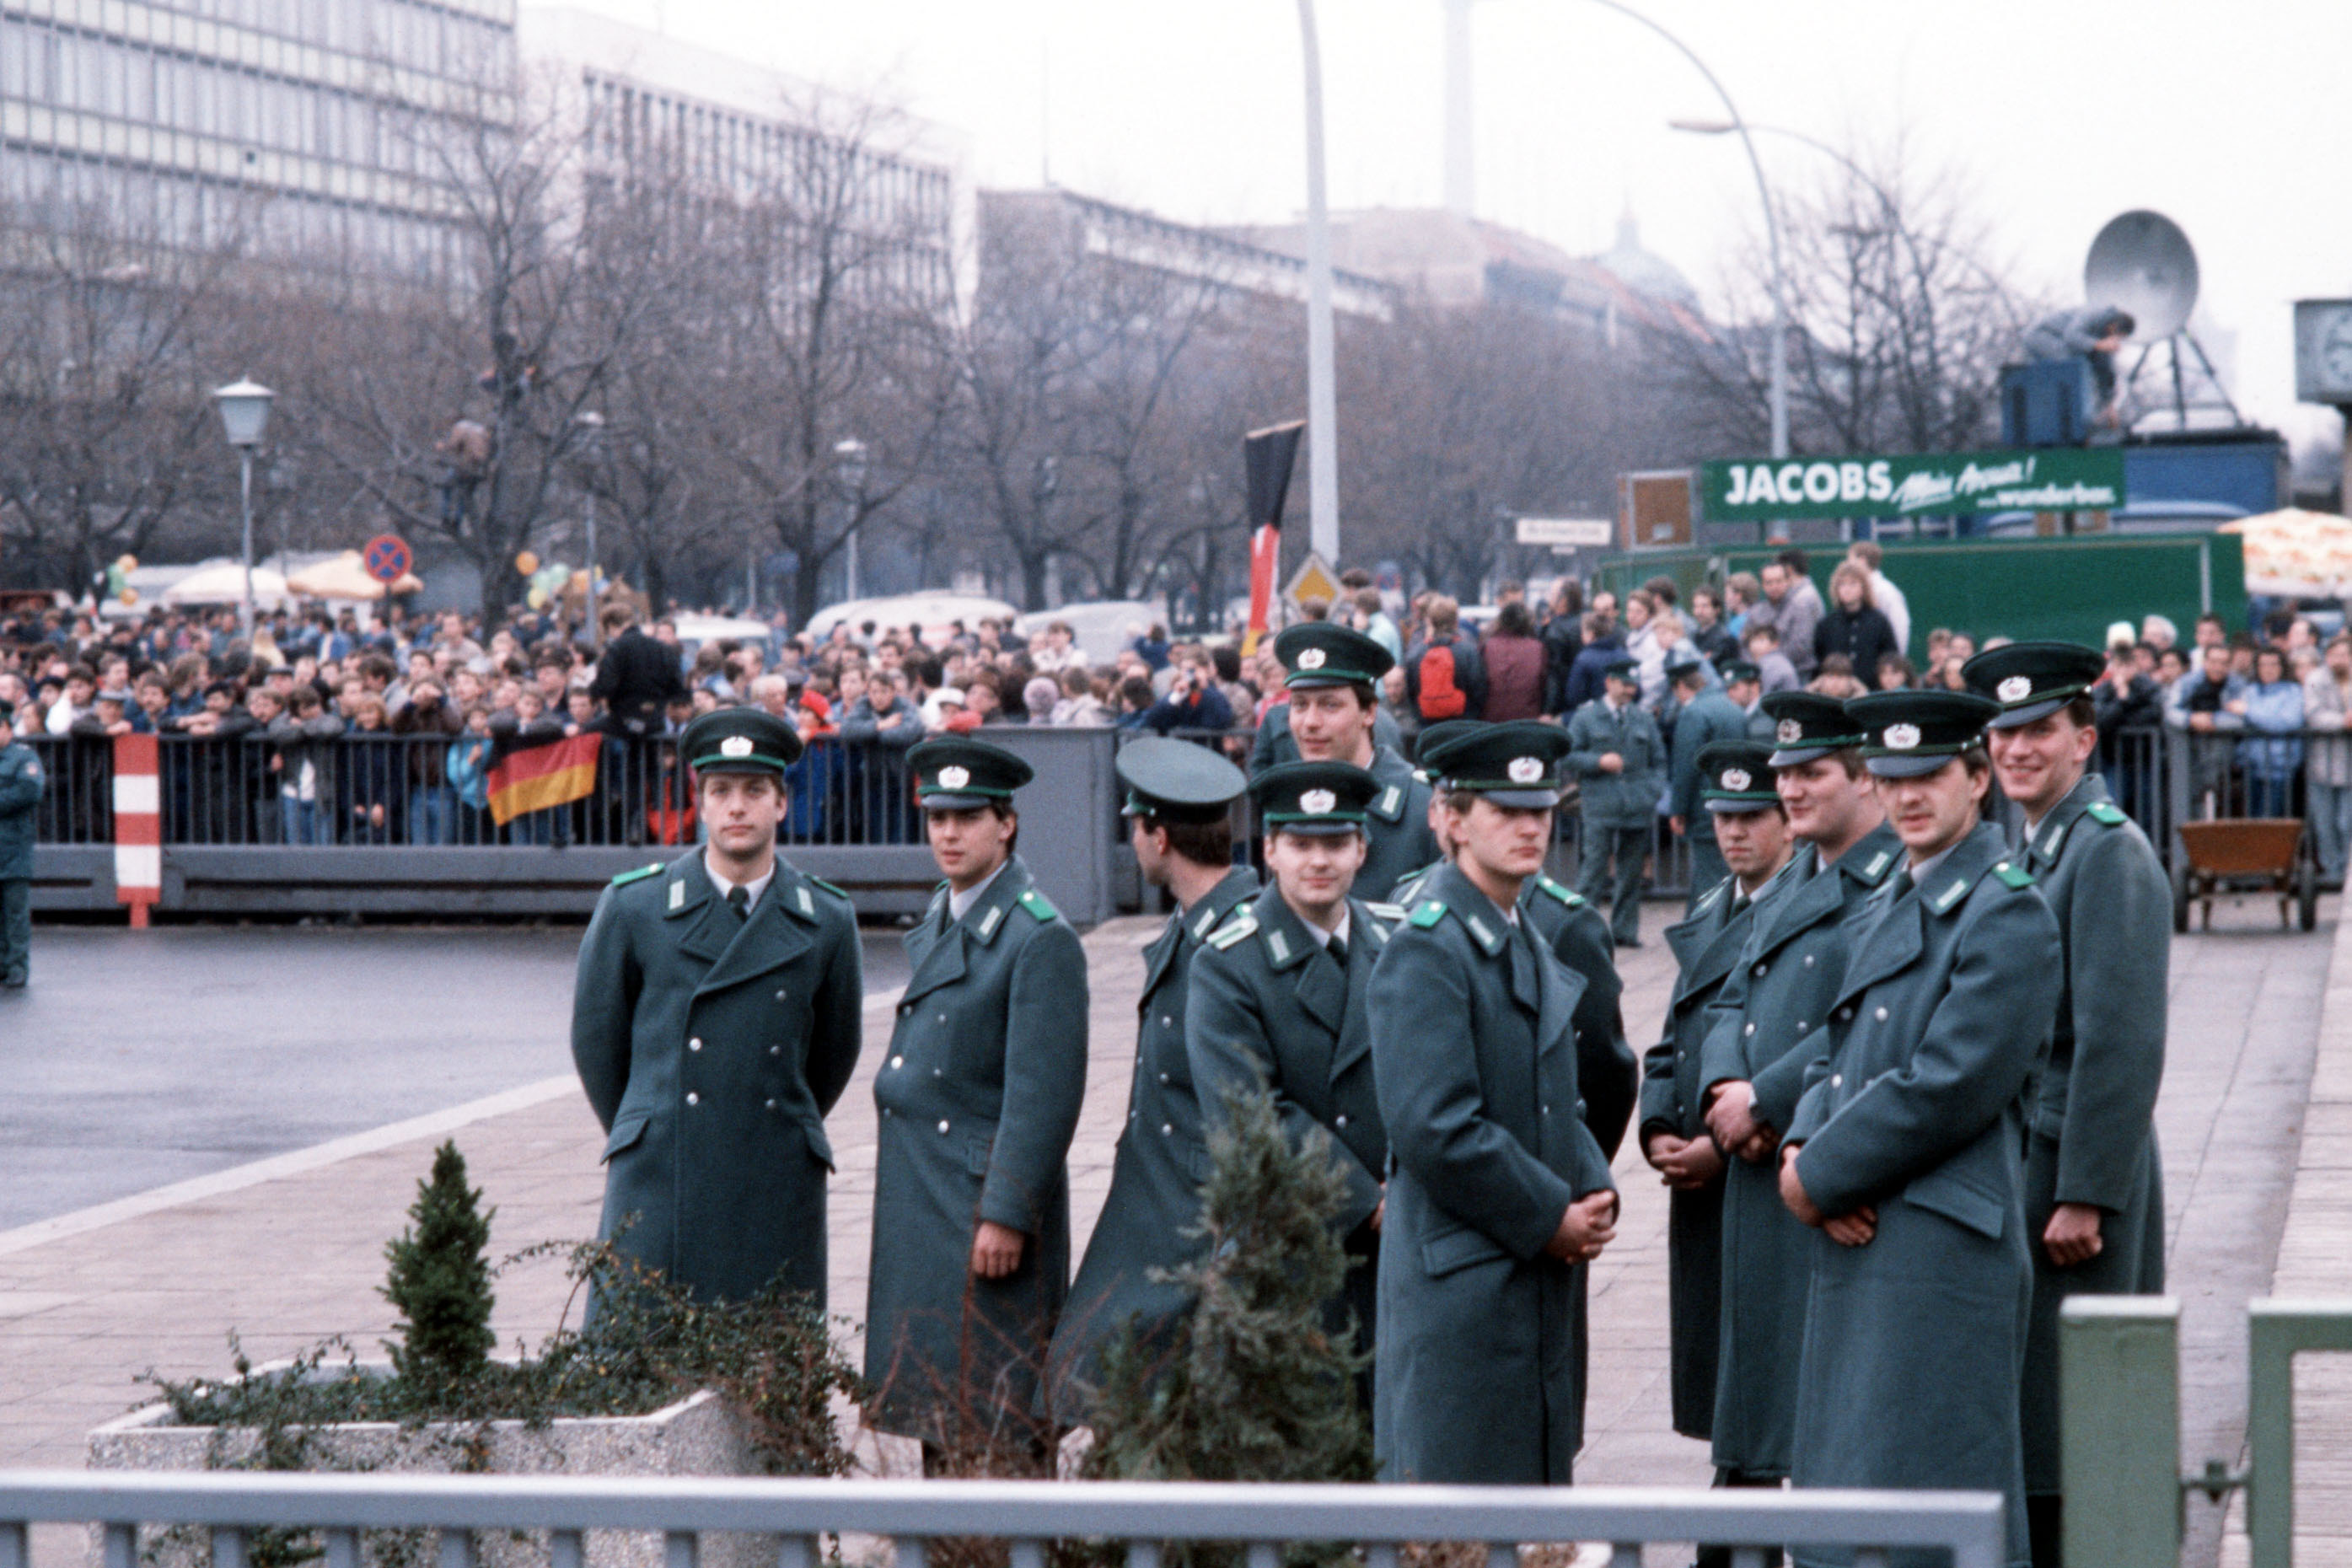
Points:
(1615, 750)
(20, 793)
(1760, 1031)
(1735, 789)
(2094, 1183)
(715, 1021)
(1333, 674)
(978, 1100)
(1179, 809)
(1906, 1150)
(1498, 1193)
(1707, 716)
(1279, 997)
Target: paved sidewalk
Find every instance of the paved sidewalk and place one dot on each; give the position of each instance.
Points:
(290, 1251)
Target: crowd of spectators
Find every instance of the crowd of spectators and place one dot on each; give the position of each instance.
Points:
(326, 729)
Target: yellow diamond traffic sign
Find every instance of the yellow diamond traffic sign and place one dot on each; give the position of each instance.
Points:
(1313, 580)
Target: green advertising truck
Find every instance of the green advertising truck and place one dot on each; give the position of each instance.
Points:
(2070, 587)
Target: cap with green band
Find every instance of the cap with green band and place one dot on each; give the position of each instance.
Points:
(1906, 734)
(956, 772)
(740, 740)
(2031, 680)
(1736, 777)
(1315, 797)
(1807, 726)
(1515, 764)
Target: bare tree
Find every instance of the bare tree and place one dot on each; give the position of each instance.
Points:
(1900, 318)
(109, 339)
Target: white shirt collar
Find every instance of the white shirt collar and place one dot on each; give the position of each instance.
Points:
(755, 887)
(1926, 868)
(960, 904)
(1325, 938)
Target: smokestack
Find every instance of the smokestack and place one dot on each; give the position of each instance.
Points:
(1461, 164)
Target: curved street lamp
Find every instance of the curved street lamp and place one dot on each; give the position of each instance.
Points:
(244, 407)
(1779, 386)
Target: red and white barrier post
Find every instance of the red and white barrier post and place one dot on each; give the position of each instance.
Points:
(138, 826)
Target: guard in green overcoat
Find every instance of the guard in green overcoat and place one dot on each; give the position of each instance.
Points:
(715, 1021)
(2094, 1183)
(1498, 1193)
(21, 785)
(1762, 1028)
(1178, 809)
(1279, 998)
(1333, 674)
(979, 1099)
(1620, 760)
(1707, 716)
(1907, 1148)
(1735, 789)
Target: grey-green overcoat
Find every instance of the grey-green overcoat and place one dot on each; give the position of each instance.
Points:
(1706, 947)
(1915, 1342)
(1271, 1005)
(711, 1047)
(979, 1099)
(1627, 798)
(20, 791)
(1704, 719)
(1396, 827)
(2093, 1130)
(1475, 1063)
(1763, 1027)
(1156, 1171)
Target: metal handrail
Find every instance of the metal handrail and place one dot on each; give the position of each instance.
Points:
(1966, 1524)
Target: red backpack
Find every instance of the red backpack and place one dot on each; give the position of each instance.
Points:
(1441, 697)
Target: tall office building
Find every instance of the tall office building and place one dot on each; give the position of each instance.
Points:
(714, 127)
(300, 132)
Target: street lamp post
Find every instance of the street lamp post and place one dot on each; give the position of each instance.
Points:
(592, 440)
(849, 464)
(1779, 386)
(1322, 394)
(245, 414)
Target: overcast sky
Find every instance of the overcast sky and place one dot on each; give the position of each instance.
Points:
(2232, 119)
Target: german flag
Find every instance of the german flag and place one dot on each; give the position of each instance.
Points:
(537, 777)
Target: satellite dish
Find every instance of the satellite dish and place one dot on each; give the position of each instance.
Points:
(2143, 263)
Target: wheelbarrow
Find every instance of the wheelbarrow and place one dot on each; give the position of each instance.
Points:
(2245, 855)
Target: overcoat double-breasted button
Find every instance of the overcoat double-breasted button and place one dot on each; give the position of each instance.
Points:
(1155, 1181)
(673, 1012)
(995, 1044)
(2092, 1130)
(1915, 1342)
(1757, 1033)
(1471, 1031)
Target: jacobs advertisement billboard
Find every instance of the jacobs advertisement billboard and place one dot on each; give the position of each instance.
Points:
(2057, 478)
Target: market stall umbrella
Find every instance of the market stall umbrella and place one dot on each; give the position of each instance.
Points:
(224, 584)
(2297, 554)
(346, 577)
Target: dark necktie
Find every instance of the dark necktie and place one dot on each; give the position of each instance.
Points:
(1338, 949)
(739, 901)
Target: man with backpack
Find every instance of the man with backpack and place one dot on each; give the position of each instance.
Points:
(1443, 676)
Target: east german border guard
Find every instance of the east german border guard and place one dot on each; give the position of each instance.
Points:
(21, 785)
(1498, 1193)
(1707, 716)
(978, 1100)
(1737, 790)
(2094, 1183)
(1279, 1000)
(715, 1022)
(1906, 1149)
(1762, 1027)
(1616, 751)
(1333, 674)
(1178, 808)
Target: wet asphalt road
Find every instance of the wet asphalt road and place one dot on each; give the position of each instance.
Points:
(138, 1058)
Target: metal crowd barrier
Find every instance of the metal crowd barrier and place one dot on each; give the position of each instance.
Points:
(1027, 1515)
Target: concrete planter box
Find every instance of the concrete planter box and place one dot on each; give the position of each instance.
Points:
(695, 1437)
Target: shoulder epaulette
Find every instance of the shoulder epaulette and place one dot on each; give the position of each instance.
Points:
(842, 893)
(1231, 931)
(1037, 904)
(1877, 865)
(1565, 894)
(2015, 875)
(1386, 911)
(1429, 912)
(2106, 813)
(639, 874)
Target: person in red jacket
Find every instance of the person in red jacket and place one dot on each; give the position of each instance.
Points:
(1514, 655)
